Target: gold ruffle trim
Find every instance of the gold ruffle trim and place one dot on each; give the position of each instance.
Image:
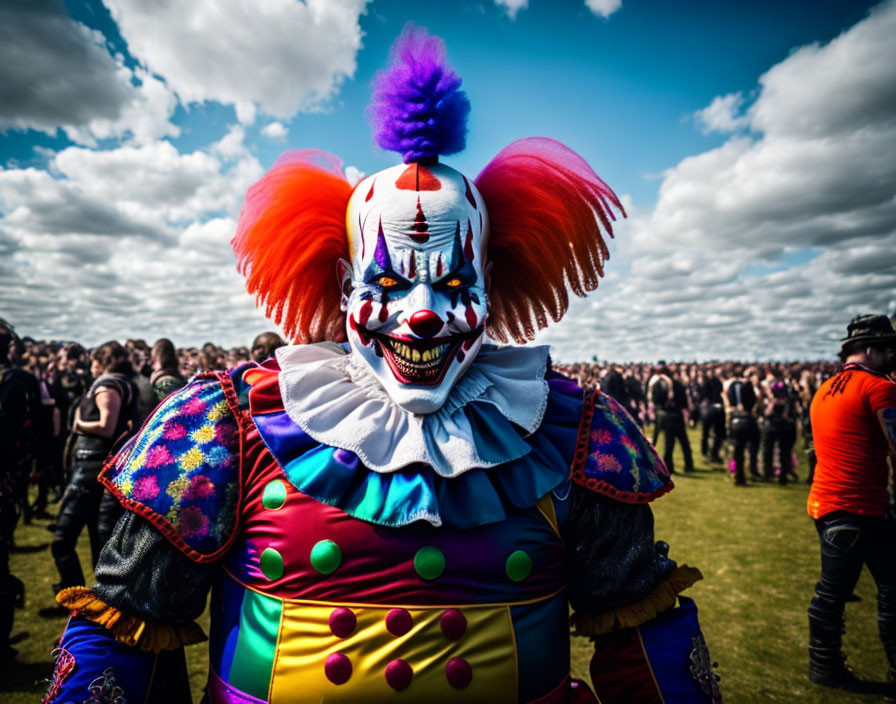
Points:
(132, 631)
(661, 598)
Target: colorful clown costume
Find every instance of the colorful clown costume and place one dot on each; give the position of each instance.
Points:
(397, 508)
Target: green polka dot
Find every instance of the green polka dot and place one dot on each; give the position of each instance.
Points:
(326, 556)
(429, 562)
(519, 565)
(272, 564)
(274, 495)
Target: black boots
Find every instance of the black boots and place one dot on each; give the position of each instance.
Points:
(827, 663)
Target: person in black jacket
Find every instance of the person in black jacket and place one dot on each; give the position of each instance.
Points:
(105, 414)
(713, 416)
(19, 404)
(740, 400)
(670, 399)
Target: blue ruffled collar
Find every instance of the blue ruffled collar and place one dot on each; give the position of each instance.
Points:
(414, 492)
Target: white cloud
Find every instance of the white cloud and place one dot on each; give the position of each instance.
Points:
(132, 241)
(512, 7)
(231, 145)
(762, 247)
(56, 73)
(353, 174)
(275, 130)
(723, 114)
(767, 245)
(279, 55)
(603, 8)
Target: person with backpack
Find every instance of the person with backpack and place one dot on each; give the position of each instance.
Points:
(166, 377)
(712, 418)
(780, 430)
(105, 415)
(743, 428)
(670, 399)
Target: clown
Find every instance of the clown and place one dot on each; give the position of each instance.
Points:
(396, 507)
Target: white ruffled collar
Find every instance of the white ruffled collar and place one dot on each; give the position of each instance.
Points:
(336, 401)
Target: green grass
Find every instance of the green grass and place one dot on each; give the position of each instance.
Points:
(755, 545)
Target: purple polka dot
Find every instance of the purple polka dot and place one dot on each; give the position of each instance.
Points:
(399, 622)
(346, 457)
(338, 668)
(343, 622)
(398, 674)
(458, 672)
(454, 624)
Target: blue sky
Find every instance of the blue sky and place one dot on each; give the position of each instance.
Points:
(676, 105)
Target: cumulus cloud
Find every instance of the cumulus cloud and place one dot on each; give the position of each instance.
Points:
(723, 114)
(280, 56)
(354, 174)
(274, 130)
(56, 73)
(128, 241)
(512, 7)
(603, 8)
(762, 247)
(768, 244)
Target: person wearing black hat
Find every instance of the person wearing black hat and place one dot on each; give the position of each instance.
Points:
(854, 426)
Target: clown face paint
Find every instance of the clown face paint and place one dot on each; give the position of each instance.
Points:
(416, 308)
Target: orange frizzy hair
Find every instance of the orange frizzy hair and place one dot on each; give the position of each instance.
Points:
(290, 236)
(546, 208)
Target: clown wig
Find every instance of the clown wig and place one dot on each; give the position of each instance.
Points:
(547, 208)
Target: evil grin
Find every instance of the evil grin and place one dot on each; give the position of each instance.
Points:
(416, 361)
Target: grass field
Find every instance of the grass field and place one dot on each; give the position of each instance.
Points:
(755, 545)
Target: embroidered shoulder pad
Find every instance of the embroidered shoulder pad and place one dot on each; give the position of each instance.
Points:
(612, 455)
(182, 471)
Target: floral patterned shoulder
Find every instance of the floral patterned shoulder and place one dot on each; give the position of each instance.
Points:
(612, 455)
(182, 471)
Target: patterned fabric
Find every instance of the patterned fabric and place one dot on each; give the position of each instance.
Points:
(99, 668)
(65, 665)
(104, 689)
(182, 471)
(613, 457)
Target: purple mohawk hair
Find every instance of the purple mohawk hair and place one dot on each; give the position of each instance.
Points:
(418, 109)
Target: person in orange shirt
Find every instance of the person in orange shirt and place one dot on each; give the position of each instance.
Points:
(854, 426)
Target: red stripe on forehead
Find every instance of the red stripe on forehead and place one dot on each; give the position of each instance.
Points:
(417, 178)
(421, 227)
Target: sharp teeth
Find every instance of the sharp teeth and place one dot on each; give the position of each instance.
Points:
(427, 355)
(415, 356)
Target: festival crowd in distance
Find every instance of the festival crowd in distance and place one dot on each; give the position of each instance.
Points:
(81, 404)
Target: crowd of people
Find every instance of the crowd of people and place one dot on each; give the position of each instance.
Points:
(749, 415)
(65, 408)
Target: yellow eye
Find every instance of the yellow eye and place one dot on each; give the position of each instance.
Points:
(453, 283)
(387, 282)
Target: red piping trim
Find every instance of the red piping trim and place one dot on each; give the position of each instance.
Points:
(577, 469)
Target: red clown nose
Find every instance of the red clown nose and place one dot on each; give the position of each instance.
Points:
(425, 323)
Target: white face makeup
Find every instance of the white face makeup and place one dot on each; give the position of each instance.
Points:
(416, 308)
